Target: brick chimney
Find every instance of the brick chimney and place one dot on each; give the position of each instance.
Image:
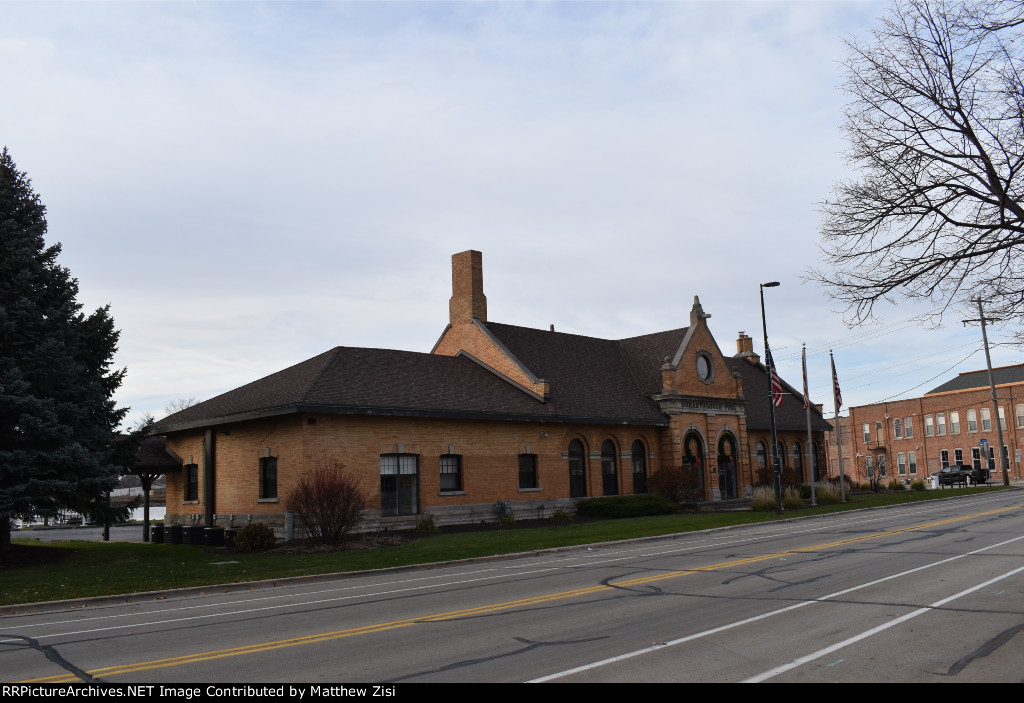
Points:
(745, 349)
(468, 300)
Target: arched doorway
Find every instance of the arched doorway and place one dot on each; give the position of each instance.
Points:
(577, 469)
(609, 468)
(693, 466)
(727, 483)
(639, 467)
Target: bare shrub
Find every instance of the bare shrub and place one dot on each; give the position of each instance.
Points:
(329, 502)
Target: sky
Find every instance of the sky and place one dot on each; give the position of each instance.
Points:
(250, 184)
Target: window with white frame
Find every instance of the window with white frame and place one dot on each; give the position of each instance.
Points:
(986, 420)
(908, 428)
(1002, 418)
(879, 437)
(897, 428)
(929, 426)
(944, 457)
(1020, 415)
(881, 465)
(901, 464)
(869, 466)
(976, 457)
(867, 432)
(991, 459)
(958, 456)
(399, 484)
(940, 424)
(451, 473)
(972, 420)
(954, 422)
(912, 463)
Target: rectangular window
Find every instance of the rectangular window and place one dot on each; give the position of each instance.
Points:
(1002, 418)
(451, 473)
(881, 465)
(954, 422)
(944, 458)
(399, 484)
(867, 433)
(879, 437)
(976, 457)
(972, 420)
(869, 466)
(901, 464)
(528, 471)
(958, 456)
(929, 426)
(986, 420)
(1020, 415)
(191, 482)
(940, 424)
(991, 459)
(912, 463)
(268, 477)
(908, 428)
(897, 428)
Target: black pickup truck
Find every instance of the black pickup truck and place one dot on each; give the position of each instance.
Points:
(961, 475)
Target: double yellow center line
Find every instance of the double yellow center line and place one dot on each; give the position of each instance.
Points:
(491, 608)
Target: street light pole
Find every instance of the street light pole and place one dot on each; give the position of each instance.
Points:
(769, 363)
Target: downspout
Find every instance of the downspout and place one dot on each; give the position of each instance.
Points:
(209, 475)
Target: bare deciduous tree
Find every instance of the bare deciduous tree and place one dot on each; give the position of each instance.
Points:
(936, 133)
(178, 405)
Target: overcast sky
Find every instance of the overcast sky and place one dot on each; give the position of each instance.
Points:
(250, 184)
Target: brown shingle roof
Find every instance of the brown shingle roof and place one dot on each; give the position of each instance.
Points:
(789, 416)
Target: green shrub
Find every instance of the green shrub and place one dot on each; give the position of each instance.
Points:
(917, 485)
(897, 486)
(764, 499)
(865, 487)
(805, 491)
(791, 499)
(255, 537)
(626, 506)
(827, 493)
(507, 520)
(426, 524)
(561, 515)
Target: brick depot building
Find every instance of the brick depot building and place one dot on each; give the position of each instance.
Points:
(952, 424)
(494, 413)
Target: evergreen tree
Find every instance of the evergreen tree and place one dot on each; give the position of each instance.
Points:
(58, 418)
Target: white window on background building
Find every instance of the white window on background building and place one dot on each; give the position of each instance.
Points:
(1002, 418)
(908, 428)
(944, 458)
(958, 456)
(1020, 415)
(869, 466)
(867, 432)
(986, 420)
(912, 463)
(929, 426)
(972, 420)
(976, 457)
(954, 422)
(897, 428)
(881, 465)
(901, 464)
(879, 437)
(940, 424)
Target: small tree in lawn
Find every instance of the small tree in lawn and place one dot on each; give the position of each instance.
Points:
(58, 418)
(329, 501)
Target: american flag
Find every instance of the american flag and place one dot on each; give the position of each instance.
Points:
(835, 384)
(776, 381)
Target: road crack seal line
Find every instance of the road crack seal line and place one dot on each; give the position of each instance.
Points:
(492, 607)
(985, 649)
(51, 653)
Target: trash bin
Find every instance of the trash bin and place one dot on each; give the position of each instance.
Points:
(177, 534)
(213, 537)
(156, 534)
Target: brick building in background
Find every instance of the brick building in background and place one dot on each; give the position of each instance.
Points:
(952, 424)
(495, 412)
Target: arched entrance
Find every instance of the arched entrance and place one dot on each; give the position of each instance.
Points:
(609, 468)
(577, 469)
(693, 466)
(727, 479)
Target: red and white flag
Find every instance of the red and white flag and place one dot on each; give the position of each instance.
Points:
(776, 381)
(835, 384)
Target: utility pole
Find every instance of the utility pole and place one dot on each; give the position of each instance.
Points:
(992, 385)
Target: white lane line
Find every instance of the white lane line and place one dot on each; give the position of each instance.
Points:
(747, 621)
(875, 630)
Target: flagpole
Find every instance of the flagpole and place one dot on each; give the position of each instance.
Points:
(769, 366)
(839, 428)
(807, 410)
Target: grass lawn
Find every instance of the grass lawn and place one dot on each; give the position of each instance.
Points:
(54, 571)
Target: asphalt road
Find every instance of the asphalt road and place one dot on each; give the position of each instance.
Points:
(927, 592)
